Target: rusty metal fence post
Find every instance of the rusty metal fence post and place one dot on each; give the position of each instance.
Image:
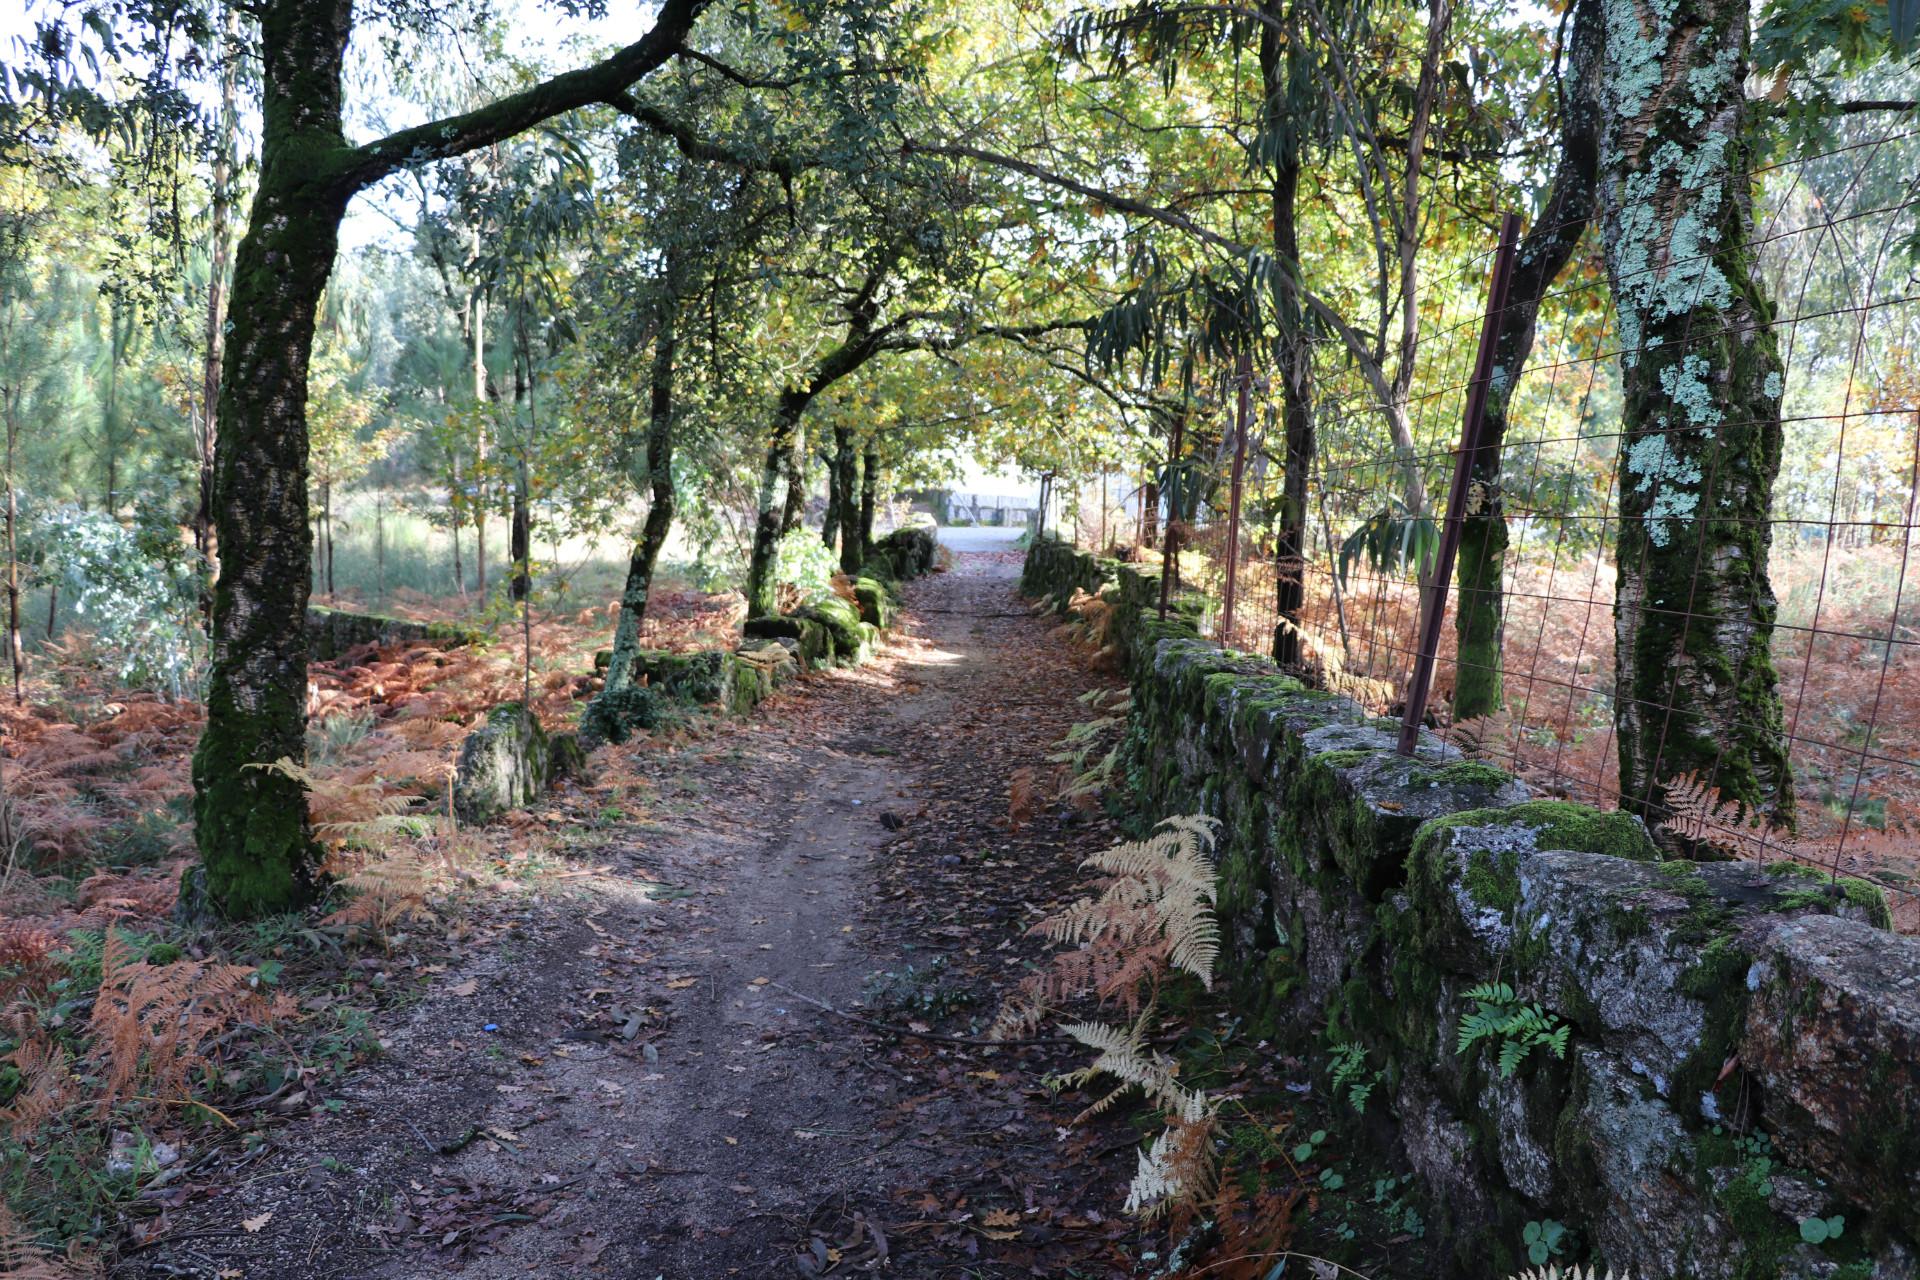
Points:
(1433, 616)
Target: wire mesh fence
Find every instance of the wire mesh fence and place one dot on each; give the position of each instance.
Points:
(1835, 236)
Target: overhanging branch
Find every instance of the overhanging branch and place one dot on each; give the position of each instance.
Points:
(517, 112)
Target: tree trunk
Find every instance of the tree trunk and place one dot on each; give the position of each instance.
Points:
(794, 466)
(1695, 686)
(846, 467)
(256, 844)
(770, 516)
(477, 343)
(1281, 68)
(1170, 549)
(459, 571)
(218, 257)
(830, 519)
(869, 495)
(16, 652)
(1479, 621)
(653, 534)
(521, 535)
(379, 546)
(326, 530)
(1149, 512)
(520, 529)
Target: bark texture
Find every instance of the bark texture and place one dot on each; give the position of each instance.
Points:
(1700, 446)
(256, 846)
(1479, 621)
(846, 473)
(770, 514)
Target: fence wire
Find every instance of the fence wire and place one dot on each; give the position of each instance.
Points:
(1835, 236)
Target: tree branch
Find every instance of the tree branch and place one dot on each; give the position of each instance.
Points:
(517, 112)
(691, 144)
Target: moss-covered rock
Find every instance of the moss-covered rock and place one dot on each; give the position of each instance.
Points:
(876, 601)
(812, 641)
(1833, 1037)
(566, 757)
(503, 764)
(615, 714)
(909, 550)
(332, 632)
(842, 623)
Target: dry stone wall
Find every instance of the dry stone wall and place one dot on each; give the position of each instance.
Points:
(1737, 1089)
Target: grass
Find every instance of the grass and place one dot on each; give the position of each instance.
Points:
(402, 555)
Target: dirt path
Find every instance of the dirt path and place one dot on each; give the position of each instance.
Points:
(619, 1074)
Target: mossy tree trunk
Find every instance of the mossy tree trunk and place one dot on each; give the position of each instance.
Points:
(869, 494)
(1282, 70)
(770, 514)
(1695, 686)
(846, 516)
(1479, 621)
(657, 477)
(256, 846)
(793, 470)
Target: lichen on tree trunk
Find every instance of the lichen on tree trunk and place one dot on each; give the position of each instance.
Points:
(1695, 686)
(869, 493)
(846, 480)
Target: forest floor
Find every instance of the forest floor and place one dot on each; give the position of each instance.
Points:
(624, 1067)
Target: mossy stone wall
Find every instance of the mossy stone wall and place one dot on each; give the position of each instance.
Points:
(1743, 1043)
(332, 632)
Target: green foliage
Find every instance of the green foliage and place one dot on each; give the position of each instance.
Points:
(1350, 1074)
(1391, 541)
(1821, 1230)
(805, 566)
(1545, 1240)
(1517, 1029)
(135, 587)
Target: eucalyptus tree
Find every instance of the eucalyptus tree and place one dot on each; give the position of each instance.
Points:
(1562, 222)
(1310, 111)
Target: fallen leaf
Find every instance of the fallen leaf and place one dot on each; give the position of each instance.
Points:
(252, 1225)
(467, 988)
